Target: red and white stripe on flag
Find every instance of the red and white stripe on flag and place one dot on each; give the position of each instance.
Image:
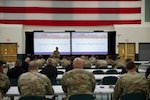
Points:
(70, 12)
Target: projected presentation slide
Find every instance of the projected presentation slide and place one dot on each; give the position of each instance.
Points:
(46, 42)
(89, 43)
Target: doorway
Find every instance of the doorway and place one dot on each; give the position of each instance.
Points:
(8, 52)
(126, 50)
(144, 51)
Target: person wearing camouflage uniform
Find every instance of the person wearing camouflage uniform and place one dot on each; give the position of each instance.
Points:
(4, 81)
(119, 62)
(34, 83)
(64, 62)
(86, 62)
(56, 54)
(101, 63)
(92, 59)
(132, 82)
(78, 81)
(109, 60)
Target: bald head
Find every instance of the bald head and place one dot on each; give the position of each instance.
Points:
(77, 63)
(27, 60)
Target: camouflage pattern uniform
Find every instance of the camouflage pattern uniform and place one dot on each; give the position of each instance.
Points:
(129, 83)
(119, 63)
(33, 83)
(40, 62)
(92, 60)
(110, 61)
(64, 62)
(86, 63)
(1, 98)
(56, 54)
(78, 81)
(4, 84)
(101, 63)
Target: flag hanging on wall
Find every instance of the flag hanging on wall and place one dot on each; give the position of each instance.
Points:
(70, 12)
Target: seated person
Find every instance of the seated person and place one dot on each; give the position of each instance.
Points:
(70, 66)
(147, 75)
(78, 80)
(1, 98)
(147, 72)
(92, 59)
(56, 61)
(64, 62)
(132, 82)
(41, 61)
(50, 70)
(4, 81)
(124, 70)
(16, 71)
(34, 83)
(109, 60)
(101, 63)
(119, 62)
(25, 64)
(86, 62)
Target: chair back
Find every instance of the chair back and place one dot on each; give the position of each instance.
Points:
(133, 96)
(53, 81)
(82, 97)
(109, 80)
(87, 68)
(14, 81)
(111, 71)
(32, 98)
(120, 67)
(60, 72)
(98, 72)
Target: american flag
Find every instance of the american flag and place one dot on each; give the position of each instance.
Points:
(70, 12)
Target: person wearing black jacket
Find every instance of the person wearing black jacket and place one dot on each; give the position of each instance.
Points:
(25, 64)
(50, 70)
(70, 66)
(16, 71)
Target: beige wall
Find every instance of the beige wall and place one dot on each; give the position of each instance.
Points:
(14, 34)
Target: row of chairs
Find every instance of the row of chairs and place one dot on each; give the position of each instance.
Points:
(104, 67)
(108, 80)
(98, 71)
(131, 96)
(14, 81)
(111, 71)
(54, 81)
